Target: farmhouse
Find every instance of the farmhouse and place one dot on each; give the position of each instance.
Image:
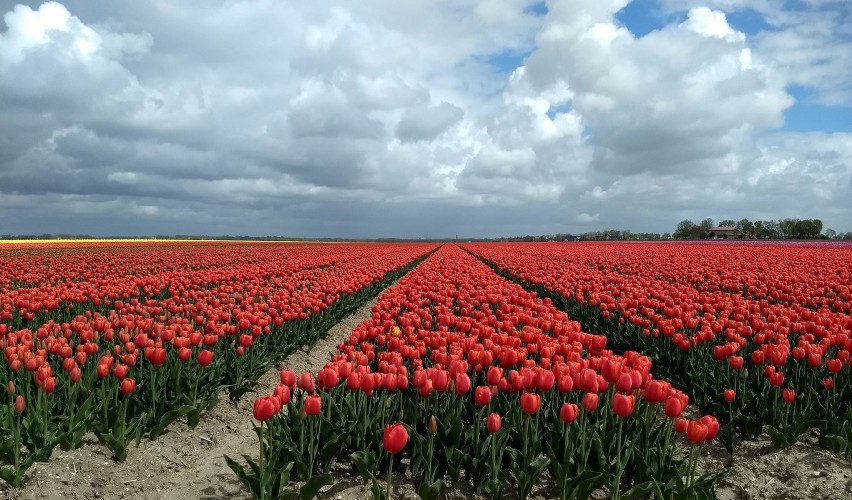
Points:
(724, 233)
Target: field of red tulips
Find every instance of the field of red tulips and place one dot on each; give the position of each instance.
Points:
(121, 340)
(758, 335)
(467, 375)
(519, 370)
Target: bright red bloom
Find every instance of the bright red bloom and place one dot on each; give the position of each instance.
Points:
(566, 384)
(282, 392)
(20, 404)
(327, 378)
(462, 383)
(395, 438)
(730, 395)
(494, 423)
(696, 432)
(789, 396)
(494, 375)
(205, 357)
(623, 404)
(674, 407)
(590, 401)
(482, 395)
(568, 412)
(530, 402)
(288, 377)
(313, 405)
(266, 407)
(128, 385)
(306, 382)
(657, 391)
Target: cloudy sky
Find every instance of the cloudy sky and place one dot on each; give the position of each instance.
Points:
(421, 118)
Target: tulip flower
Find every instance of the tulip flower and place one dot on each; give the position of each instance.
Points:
(306, 382)
(482, 395)
(313, 405)
(530, 403)
(394, 438)
(590, 402)
(265, 408)
(568, 412)
(128, 385)
(623, 404)
(494, 423)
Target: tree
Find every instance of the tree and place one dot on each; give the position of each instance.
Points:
(685, 229)
(830, 233)
(745, 226)
(728, 223)
(785, 228)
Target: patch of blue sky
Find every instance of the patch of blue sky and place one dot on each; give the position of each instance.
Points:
(807, 115)
(507, 61)
(748, 21)
(558, 110)
(644, 16)
(538, 9)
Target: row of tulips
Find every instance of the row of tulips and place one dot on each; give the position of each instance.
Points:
(762, 364)
(129, 366)
(462, 375)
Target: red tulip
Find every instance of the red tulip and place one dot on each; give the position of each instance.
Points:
(482, 395)
(566, 384)
(736, 362)
(20, 404)
(327, 378)
(494, 423)
(306, 382)
(462, 383)
(282, 392)
(205, 357)
(828, 383)
(568, 412)
(530, 403)
(624, 382)
(657, 391)
(681, 425)
(590, 401)
(789, 396)
(494, 375)
(674, 407)
(313, 405)
(730, 395)
(395, 438)
(265, 407)
(50, 385)
(288, 377)
(623, 404)
(128, 385)
(433, 425)
(696, 432)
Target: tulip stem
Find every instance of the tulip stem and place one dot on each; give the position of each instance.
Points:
(616, 480)
(262, 488)
(388, 486)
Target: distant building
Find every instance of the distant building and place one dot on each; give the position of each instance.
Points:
(724, 233)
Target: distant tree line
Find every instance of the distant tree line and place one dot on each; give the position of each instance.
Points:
(781, 229)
